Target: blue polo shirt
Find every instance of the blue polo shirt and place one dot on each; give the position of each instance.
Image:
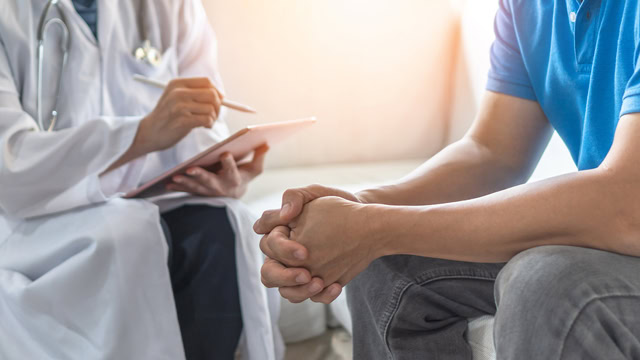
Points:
(578, 60)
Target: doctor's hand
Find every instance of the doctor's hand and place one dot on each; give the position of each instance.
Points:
(185, 104)
(230, 181)
(328, 244)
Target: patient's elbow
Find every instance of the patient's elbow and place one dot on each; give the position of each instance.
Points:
(622, 191)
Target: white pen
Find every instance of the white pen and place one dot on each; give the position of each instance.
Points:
(228, 103)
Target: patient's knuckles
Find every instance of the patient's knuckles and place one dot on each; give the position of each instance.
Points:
(268, 221)
(265, 282)
(294, 295)
(291, 194)
(322, 298)
(283, 251)
(264, 247)
(266, 276)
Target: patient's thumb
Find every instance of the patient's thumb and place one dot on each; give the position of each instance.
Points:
(292, 203)
(286, 213)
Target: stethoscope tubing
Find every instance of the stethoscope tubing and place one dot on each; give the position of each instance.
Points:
(151, 55)
(43, 27)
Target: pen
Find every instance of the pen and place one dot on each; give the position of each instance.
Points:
(228, 103)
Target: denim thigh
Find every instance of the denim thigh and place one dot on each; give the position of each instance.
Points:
(409, 307)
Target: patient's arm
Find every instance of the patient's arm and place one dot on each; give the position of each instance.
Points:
(594, 208)
(499, 151)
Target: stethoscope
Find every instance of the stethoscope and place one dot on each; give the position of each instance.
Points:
(145, 52)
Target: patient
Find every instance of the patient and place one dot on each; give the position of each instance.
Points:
(424, 255)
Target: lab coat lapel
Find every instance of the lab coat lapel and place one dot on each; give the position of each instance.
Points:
(107, 12)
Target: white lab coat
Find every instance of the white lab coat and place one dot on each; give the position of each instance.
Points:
(83, 272)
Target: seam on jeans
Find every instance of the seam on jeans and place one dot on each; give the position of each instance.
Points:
(436, 274)
(586, 304)
(390, 311)
(395, 301)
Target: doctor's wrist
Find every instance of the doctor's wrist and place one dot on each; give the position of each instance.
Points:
(142, 143)
(139, 147)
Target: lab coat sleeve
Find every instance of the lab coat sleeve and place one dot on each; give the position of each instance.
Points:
(48, 172)
(198, 56)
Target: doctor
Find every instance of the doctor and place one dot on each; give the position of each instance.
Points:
(83, 272)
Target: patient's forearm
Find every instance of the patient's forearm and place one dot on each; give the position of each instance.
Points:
(590, 209)
(464, 170)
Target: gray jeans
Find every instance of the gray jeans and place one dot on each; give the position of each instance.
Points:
(553, 302)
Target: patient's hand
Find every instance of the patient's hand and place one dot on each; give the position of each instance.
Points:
(296, 284)
(293, 201)
(330, 241)
(230, 181)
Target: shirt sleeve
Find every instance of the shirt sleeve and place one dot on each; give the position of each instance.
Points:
(197, 54)
(631, 97)
(508, 74)
(44, 173)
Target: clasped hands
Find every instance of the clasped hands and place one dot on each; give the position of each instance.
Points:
(316, 243)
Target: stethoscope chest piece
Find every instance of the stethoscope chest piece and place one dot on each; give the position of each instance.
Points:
(148, 54)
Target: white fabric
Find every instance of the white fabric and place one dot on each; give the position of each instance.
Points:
(340, 311)
(480, 336)
(83, 273)
(302, 321)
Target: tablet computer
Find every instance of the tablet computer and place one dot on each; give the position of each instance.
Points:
(240, 145)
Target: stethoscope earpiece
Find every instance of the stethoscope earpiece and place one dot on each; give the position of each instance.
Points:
(148, 54)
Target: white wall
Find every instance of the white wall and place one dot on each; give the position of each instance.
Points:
(376, 73)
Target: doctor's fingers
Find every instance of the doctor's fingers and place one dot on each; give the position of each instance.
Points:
(196, 108)
(256, 166)
(195, 121)
(229, 170)
(274, 274)
(277, 245)
(193, 83)
(195, 186)
(202, 96)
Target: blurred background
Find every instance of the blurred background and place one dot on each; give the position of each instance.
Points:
(391, 83)
(372, 71)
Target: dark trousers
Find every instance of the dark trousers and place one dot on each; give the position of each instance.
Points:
(550, 302)
(204, 280)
